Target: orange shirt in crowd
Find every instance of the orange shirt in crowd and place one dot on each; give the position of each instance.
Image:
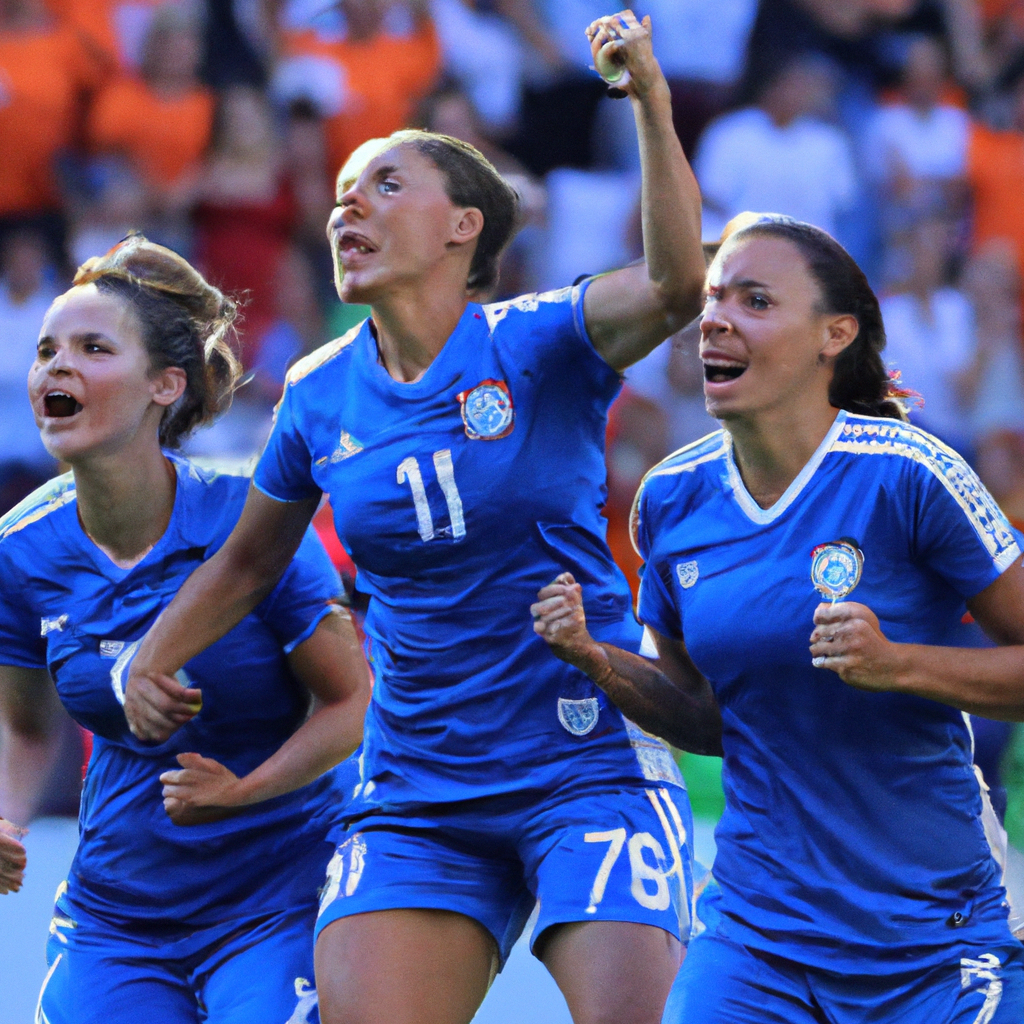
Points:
(43, 77)
(385, 78)
(995, 170)
(161, 137)
(109, 24)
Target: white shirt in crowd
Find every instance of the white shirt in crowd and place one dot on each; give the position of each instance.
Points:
(930, 351)
(746, 162)
(925, 145)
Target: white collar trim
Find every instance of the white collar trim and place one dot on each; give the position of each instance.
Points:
(763, 516)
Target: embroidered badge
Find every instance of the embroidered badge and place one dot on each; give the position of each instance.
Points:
(111, 648)
(836, 568)
(487, 411)
(578, 716)
(54, 625)
(687, 573)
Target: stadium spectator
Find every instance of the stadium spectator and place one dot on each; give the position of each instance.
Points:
(916, 148)
(485, 54)
(995, 172)
(118, 28)
(45, 71)
(701, 47)
(370, 63)
(929, 327)
(25, 295)
(246, 208)
(160, 120)
(780, 155)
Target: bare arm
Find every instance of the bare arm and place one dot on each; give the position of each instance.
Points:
(213, 600)
(331, 666)
(848, 640)
(669, 698)
(630, 311)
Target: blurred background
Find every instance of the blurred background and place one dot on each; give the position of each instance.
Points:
(216, 127)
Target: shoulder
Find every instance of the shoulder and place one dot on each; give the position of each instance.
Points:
(321, 358)
(40, 504)
(672, 481)
(523, 306)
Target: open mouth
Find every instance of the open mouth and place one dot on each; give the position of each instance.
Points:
(352, 243)
(60, 405)
(718, 371)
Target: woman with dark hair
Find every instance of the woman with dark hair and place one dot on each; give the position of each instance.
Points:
(213, 921)
(461, 446)
(857, 871)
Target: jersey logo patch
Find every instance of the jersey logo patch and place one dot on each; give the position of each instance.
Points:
(347, 447)
(344, 871)
(54, 625)
(687, 573)
(578, 716)
(487, 411)
(111, 648)
(306, 995)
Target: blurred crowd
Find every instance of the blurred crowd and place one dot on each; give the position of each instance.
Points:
(216, 127)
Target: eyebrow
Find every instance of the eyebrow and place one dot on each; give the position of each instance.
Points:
(84, 337)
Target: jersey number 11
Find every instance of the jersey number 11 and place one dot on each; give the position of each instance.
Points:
(409, 469)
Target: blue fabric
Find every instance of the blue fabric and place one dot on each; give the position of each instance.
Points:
(458, 496)
(722, 982)
(66, 607)
(852, 830)
(586, 853)
(249, 970)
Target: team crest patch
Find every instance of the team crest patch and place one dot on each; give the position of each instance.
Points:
(111, 648)
(578, 716)
(487, 411)
(687, 573)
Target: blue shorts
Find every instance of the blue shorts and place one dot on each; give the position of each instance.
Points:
(585, 854)
(722, 982)
(254, 970)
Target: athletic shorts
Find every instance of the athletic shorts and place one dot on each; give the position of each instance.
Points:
(722, 982)
(583, 854)
(253, 970)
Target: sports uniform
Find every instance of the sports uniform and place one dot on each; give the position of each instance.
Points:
(854, 878)
(492, 773)
(155, 918)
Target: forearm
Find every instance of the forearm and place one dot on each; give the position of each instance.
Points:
(689, 720)
(213, 600)
(25, 764)
(987, 681)
(670, 209)
(327, 737)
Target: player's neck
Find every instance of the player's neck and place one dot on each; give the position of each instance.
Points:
(125, 501)
(772, 447)
(413, 325)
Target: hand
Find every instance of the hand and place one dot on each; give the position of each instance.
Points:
(627, 43)
(848, 640)
(203, 790)
(12, 858)
(156, 706)
(559, 618)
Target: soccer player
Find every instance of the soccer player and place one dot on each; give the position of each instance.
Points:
(855, 879)
(461, 446)
(200, 907)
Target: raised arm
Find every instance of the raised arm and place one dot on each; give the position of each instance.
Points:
(668, 697)
(628, 312)
(848, 640)
(331, 665)
(214, 599)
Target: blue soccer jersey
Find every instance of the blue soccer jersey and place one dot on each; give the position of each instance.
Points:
(458, 497)
(65, 606)
(852, 831)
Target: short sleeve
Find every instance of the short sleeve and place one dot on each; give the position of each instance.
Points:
(655, 606)
(308, 590)
(21, 641)
(959, 530)
(284, 471)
